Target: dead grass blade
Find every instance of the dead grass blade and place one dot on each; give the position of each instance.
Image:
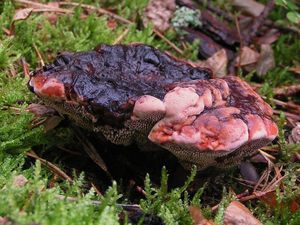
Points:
(92, 152)
(167, 41)
(37, 5)
(25, 67)
(127, 207)
(22, 14)
(288, 90)
(55, 169)
(121, 37)
(39, 55)
(99, 10)
(258, 22)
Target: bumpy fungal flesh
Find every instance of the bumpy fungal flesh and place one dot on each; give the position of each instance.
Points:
(207, 119)
(138, 94)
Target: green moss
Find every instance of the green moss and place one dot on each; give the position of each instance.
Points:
(35, 203)
(7, 12)
(172, 206)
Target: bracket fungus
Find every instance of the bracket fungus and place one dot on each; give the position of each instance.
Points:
(136, 93)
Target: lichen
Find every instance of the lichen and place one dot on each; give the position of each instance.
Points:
(185, 17)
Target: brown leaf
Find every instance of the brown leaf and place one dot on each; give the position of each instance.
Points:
(249, 7)
(22, 14)
(112, 24)
(4, 220)
(198, 218)
(294, 137)
(270, 199)
(51, 17)
(19, 181)
(270, 36)
(159, 12)
(295, 204)
(247, 56)
(40, 110)
(295, 68)
(218, 63)
(236, 213)
(25, 67)
(52, 122)
(266, 60)
(7, 31)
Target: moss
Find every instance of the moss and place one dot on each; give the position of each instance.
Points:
(34, 202)
(172, 206)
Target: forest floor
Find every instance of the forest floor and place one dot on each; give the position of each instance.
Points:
(46, 177)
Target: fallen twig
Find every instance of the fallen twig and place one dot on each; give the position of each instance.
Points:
(96, 189)
(288, 90)
(127, 207)
(231, 69)
(287, 114)
(289, 105)
(218, 30)
(254, 195)
(286, 28)
(55, 169)
(285, 91)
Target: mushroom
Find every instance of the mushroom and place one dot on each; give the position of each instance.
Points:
(136, 93)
